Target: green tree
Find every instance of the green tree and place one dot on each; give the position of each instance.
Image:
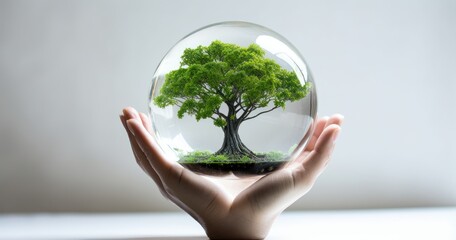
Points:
(239, 77)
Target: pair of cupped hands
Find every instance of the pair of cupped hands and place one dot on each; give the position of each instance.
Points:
(249, 214)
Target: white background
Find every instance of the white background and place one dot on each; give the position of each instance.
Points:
(68, 67)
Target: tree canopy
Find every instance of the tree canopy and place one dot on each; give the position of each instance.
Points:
(223, 73)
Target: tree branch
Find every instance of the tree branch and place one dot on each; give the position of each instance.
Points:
(216, 111)
(246, 113)
(261, 113)
(179, 102)
(242, 107)
(237, 103)
(207, 89)
(238, 107)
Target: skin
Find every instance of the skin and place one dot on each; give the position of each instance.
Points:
(249, 214)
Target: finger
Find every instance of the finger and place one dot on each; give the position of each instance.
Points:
(319, 126)
(318, 129)
(131, 113)
(195, 191)
(141, 159)
(149, 147)
(335, 119)
(318, 158)
(146, 122)
(132, 144)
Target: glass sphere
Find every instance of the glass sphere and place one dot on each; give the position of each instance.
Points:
(233, 98)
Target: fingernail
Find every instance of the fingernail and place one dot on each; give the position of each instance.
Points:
(131, 113)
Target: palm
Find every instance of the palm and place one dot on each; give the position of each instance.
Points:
(248, 214)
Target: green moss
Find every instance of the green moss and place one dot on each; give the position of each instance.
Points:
(196, 157)
(207, 157)
(217, 158)
(246, 159)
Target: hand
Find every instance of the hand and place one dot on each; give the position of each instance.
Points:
(249, 214)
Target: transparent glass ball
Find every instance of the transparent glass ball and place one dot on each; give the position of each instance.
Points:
(233, 99)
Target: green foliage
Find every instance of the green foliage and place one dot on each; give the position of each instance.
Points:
(219, 122)
(240, 77)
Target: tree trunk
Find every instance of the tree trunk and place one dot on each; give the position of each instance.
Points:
(232, 144)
